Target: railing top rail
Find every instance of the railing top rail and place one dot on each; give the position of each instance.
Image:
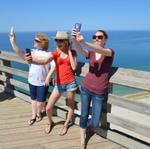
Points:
(10, 56)
(121, 76)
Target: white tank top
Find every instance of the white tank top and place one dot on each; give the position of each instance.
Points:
(38, 73)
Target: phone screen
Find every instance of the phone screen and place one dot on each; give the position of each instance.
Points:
(78, 27)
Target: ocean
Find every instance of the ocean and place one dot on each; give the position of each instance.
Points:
(132, 48)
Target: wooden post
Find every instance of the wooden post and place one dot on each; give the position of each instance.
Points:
(106, 108)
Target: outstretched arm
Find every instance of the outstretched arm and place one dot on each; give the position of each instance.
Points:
(98, 49)
(79, 40)
(38, 60)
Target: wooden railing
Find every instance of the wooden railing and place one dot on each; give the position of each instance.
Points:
(124, 120)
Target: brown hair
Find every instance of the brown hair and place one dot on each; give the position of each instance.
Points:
(43, 41)
(104, 32)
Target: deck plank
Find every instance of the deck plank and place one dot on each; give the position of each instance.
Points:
(16, 134)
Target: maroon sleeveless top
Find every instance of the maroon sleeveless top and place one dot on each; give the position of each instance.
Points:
(97, 79)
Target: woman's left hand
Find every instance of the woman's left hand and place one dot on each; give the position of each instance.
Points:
(74, 34)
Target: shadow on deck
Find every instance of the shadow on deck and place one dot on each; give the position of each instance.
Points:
(5, 96)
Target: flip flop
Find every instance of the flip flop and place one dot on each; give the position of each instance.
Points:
(31, 121)
(63, 130)
(49, 127)
(39, 118)
(43, 113)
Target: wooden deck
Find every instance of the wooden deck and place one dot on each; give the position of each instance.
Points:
(16, 134)
(126, 120)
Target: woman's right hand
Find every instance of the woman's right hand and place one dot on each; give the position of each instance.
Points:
(47, 81)
(28, 58)
(77, 36)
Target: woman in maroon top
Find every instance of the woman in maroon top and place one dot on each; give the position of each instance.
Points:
(95, 84)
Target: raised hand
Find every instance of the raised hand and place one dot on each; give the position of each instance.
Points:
(77, 36)
(74, 33)
(12, 35)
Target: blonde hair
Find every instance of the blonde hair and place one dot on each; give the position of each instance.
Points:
(43, 41)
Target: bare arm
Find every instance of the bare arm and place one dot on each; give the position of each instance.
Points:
(73, 60)
(78, 40)
(38, 60)
(49, 75)
(14, 45)
(98, 49)
(82, 51)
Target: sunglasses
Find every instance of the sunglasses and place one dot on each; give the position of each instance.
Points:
(99, 37)
(36, 40)
(59, 40)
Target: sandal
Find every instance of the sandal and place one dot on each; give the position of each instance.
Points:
(43, 114)
(39, 118)
(31, 121)
(63, 130)
(49, 127)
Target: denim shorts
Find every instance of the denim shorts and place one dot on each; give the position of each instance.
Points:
(67, 87)
(38, 93)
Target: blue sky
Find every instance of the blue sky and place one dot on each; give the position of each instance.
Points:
(49, 15)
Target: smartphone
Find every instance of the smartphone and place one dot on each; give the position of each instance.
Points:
(28, 51)
(12, 30)
(77, 26)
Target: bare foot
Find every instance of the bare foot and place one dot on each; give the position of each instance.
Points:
(63, 130)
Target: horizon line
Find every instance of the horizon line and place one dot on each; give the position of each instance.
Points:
(81, 31)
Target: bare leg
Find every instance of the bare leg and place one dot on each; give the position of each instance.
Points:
(49, 108)
(40, 107)
(34, 112)
(34, 108)
(71, 104)
(82, 136)
(44, 107)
